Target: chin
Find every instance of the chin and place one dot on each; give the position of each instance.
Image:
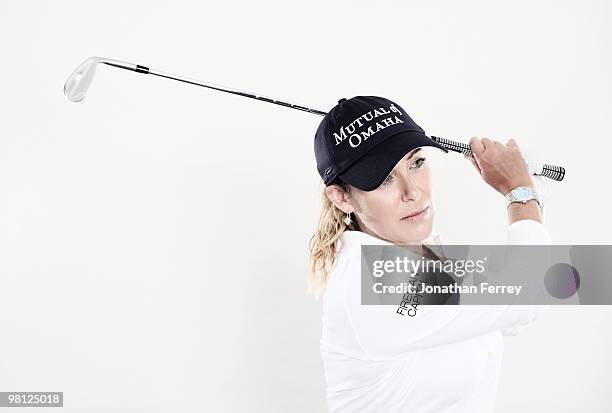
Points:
(424, 233)
(417, 233)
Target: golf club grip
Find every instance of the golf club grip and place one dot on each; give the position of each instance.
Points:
(554, 172)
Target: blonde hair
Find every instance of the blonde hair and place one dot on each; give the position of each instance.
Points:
(324, 242)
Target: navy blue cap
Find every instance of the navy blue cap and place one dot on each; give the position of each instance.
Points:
(362, 139)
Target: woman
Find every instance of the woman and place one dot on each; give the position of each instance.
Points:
(369, 153)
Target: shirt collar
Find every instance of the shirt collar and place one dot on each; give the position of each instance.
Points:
(355, 239)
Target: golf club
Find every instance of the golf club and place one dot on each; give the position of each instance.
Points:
(75, 90)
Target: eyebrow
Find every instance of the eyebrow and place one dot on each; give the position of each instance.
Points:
(417, 150)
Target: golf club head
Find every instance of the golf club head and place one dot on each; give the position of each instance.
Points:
(79, 81)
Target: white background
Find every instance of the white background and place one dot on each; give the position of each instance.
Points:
(153, 238)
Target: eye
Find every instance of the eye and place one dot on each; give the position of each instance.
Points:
(387, 180)
(419, 162)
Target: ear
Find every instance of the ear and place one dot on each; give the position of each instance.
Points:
(339, 198)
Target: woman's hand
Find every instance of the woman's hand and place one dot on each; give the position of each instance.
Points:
(501, 166)
(504, 168)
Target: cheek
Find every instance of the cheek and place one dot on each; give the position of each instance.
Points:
(376, 209)
(426, 178)
(425, 182)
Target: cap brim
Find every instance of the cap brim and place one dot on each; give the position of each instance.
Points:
(369, 171)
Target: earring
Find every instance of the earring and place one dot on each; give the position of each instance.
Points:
(347, 219)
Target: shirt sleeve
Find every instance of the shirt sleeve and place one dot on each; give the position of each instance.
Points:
(529, 232)
(383, 333)
(515, 330)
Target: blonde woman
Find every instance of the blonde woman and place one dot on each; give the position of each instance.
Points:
(370, 155)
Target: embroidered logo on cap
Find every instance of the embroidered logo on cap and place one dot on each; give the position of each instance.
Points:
(366, 125)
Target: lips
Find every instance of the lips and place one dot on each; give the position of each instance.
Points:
(417, 213)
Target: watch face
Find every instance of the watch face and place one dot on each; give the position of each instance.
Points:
(521, 193)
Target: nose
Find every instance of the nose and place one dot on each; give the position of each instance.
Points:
(410, 189)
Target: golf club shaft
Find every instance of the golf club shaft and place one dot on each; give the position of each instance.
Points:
(146, 70)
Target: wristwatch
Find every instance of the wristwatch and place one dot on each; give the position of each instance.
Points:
(522, 194)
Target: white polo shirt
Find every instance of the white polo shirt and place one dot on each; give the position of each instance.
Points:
(444, 359)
